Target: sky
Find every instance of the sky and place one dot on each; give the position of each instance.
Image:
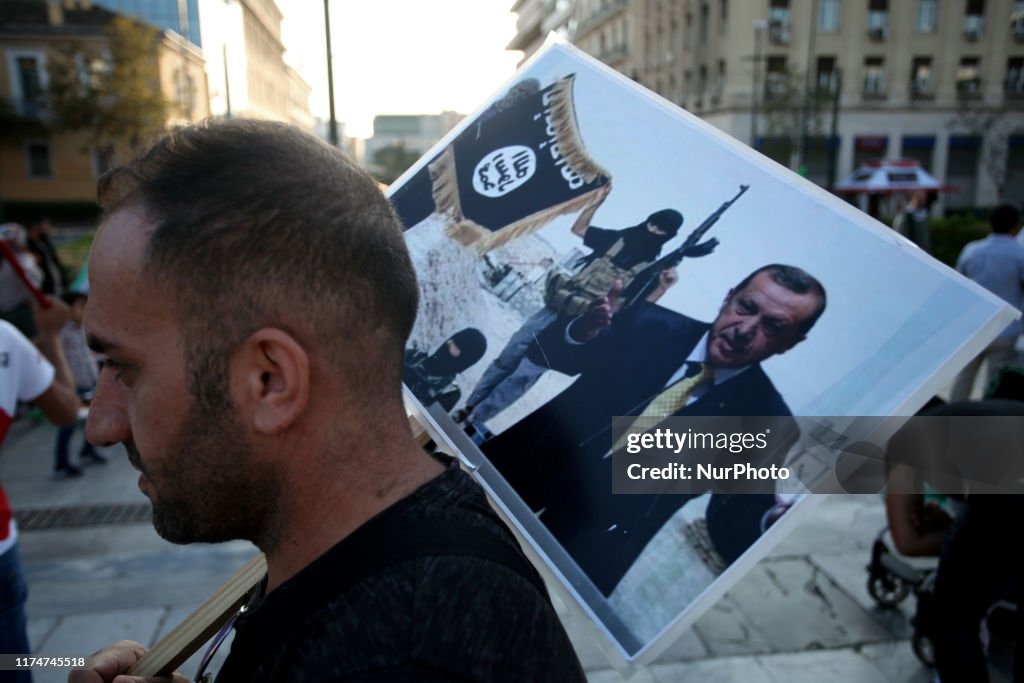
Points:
(400, 56)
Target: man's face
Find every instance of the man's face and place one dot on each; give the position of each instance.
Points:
(759, 321)
(194, 460)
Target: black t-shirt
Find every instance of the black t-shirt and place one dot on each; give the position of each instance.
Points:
(442, 618)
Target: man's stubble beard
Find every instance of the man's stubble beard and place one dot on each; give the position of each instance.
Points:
(213, 487)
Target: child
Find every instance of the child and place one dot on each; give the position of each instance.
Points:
(84, 370)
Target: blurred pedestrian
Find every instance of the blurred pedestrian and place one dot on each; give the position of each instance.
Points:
(85, 372)
(997, 264)
(25, 375)
(15, 295)
(912, 222)
(53, 271)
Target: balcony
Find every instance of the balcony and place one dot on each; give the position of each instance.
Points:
(600, 16)
(778, 33)
(1013, 89)
(878, 26)
(968, 88)
(28, 109)
(922, 91)
(973, 27)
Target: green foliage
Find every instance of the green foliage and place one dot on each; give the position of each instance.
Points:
(112, 93)
(392, 161)
(950, 234)
(783, 108)
(73, 254)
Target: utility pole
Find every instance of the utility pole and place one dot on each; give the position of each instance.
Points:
(332, 130)
(833, 138)
(227, 82)
(805, 117)
(759, 27)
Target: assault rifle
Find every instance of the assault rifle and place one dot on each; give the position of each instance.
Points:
(647, 280)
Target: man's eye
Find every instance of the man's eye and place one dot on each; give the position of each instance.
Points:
(115, 367)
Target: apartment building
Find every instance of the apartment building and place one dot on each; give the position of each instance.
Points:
(42, 169)
(248, 74)
(821, 85)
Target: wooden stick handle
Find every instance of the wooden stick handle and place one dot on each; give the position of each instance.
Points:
(198, 627)
(178, 645)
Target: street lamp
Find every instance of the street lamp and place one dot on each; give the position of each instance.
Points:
(759, 27)
(332, 129)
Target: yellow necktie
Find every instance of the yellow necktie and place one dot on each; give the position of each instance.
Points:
(671, 399)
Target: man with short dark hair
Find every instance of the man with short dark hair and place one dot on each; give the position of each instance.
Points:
(630, 363)
(997, 264)
(254, 322)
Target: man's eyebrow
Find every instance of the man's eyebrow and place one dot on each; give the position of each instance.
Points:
(100, 345)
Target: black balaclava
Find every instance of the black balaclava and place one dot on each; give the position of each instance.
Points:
(472, 345)
(640, 244)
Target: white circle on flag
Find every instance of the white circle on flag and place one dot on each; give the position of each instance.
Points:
(503, 170)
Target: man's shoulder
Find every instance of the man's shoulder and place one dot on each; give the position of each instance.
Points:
(655, 314)
(462, 617)
(459, 611)
(756, 387)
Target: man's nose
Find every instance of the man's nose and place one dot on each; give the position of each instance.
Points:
(746, 329)
(107, 423)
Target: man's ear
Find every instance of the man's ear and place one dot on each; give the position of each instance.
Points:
(272, 370)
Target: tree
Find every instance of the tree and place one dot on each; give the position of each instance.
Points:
(392, 161)
(784, 105)
(994, 125)
(112, 92)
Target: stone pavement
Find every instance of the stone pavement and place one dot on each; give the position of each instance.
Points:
(802, 615)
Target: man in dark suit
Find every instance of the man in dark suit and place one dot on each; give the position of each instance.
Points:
(628, 364)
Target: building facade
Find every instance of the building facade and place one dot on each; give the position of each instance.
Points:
(247, 71)
(413, 132)
(42, 168)
(180, 16)
(822, 85)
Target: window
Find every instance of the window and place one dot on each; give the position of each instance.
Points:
(1014, 83)
(723, 17)
(29, 83)
(720, 80)
(974, 19)
(778, 22)
(778, 12)
(38, 155)
(827, 78)
(1017, 20)
(921, 76)
(703, 29)
(927, 16)
(828, 15)
(874, 75)
(776, 83)
(878, 18)
(968, 76)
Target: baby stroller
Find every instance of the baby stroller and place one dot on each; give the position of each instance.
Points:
(891, 579)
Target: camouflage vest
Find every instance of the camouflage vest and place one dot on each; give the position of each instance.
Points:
(572, 294)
